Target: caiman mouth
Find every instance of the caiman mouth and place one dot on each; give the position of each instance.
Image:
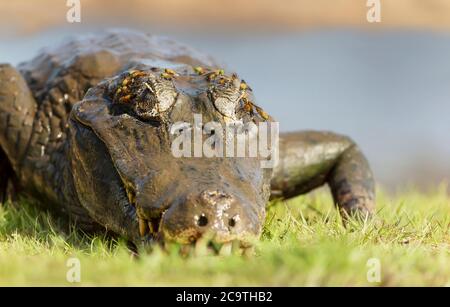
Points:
(149, 228)
(207, 247)
(150, 231)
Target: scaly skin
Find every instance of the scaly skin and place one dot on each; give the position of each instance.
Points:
(84, 129)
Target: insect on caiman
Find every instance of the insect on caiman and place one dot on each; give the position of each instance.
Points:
(84, 130)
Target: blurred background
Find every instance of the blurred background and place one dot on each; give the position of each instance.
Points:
(313, 64)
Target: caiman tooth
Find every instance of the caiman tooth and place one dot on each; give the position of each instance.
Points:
(236, 247)
(226, 249)
(248, 251)
(186, 250)
(201, 247)
(150, 227)
(153, 224)
(143, 227)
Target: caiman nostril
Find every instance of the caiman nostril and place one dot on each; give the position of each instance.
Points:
(232, 222)
(202, 221)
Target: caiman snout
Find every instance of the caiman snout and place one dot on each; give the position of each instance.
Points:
(212, 215)
(217, 214)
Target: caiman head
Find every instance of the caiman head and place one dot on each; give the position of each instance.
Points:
(155, 156)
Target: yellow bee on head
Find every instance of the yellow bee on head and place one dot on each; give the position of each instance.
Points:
(244, 86)
(199, 70)
(170, 72)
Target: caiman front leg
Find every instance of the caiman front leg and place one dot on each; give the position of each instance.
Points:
(310, 159)
(17, 111)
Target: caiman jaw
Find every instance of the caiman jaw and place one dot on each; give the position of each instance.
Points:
(204, 246)
(149, 227)
(210, 223)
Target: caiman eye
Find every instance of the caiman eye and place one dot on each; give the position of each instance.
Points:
(147, 94)
(225, 93)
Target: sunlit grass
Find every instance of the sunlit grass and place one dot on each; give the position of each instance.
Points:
(304, 243)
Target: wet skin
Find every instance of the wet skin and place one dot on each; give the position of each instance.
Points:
(85, 129)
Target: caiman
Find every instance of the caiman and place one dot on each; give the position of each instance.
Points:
(85, 130)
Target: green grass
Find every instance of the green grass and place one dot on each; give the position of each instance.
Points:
(304, 243)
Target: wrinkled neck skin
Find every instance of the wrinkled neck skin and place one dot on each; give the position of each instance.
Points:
(127, 177)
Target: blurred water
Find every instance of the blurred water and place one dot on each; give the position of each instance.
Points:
(390, 91)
